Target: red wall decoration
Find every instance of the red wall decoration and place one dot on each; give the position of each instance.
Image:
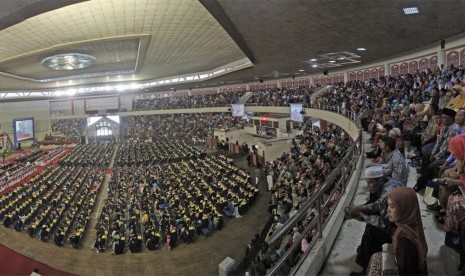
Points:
(424, 64)
(433, 62)
(352, 76)
(413, 66)
(395, 70)
(462, 57)
(366, 74)
(404, 68)
(452, 57)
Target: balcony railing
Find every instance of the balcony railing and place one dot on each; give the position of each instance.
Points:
(323, 201)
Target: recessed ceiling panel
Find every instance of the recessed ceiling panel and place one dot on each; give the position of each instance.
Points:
(77, 60)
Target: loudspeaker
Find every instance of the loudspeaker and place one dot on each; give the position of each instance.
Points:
(443, 44)
(261, 81)
(83, 140)
(19, 146)
(325, 72)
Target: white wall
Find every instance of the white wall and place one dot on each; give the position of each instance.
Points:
(79, 108)
(126, 101)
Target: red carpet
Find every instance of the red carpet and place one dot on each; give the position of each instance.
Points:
(13, 263)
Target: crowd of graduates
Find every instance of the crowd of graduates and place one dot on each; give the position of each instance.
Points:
(55, 204)
(89, 155)
(169, 201)
(132, 154)
(160, 193)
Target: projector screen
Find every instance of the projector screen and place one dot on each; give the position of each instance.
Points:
(24, 129)
(237, 110)
(295, 113)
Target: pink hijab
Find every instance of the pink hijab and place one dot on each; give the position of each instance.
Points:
(457, 146)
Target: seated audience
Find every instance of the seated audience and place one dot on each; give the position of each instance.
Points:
(433, 161)
(71, 128)
(178, 100)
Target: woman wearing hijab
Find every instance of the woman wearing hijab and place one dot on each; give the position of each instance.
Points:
(455, 213)
(408, 240)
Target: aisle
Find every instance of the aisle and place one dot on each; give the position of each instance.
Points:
(341, 261)
(89, 239)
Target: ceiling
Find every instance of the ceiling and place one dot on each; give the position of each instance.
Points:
(146, 40)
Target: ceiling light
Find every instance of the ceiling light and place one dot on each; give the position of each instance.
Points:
(412, 10)
(341, 58)
(314, 66)
(313, 59)
(301, 70)
(70, 61)
(332, 61)
(361, 49)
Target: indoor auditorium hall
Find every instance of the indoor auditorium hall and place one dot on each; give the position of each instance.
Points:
(219, 137)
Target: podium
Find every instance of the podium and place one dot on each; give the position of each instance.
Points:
(226, 266)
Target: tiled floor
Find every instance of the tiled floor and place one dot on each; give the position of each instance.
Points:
(341, 261)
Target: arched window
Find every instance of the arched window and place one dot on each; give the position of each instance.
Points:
(104, 131)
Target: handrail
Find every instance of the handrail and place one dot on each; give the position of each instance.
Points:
(293, 247)
(322, 90)
(274, 141)
(329, 181)
(316, 201)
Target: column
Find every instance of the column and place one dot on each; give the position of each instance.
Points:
(441, 56)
